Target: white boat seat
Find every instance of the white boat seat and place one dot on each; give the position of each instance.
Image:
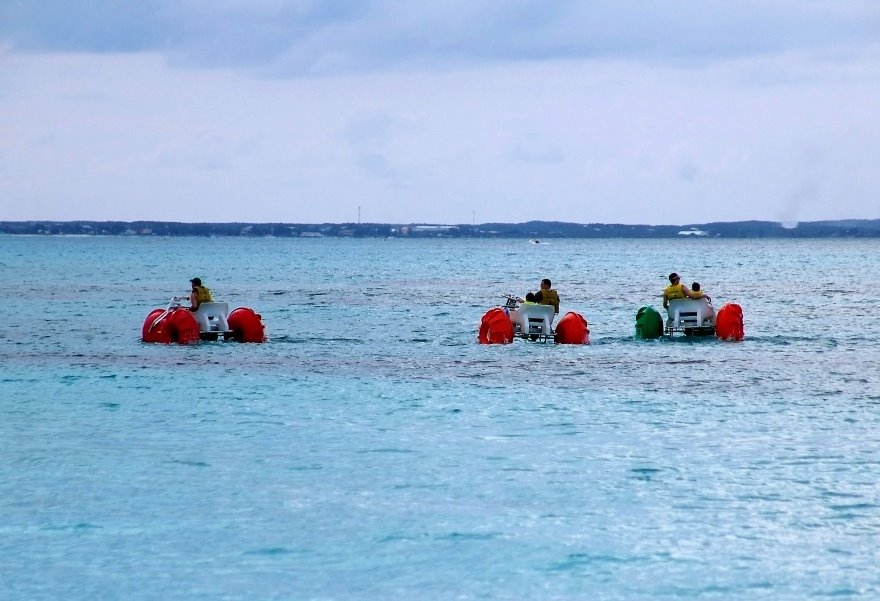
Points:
(533, 319)
(211, 317)
(690, 313)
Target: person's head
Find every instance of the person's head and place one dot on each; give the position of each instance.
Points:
(545, 284)
(695, 286)
(530, 297)
(673, 278)
(196, 282)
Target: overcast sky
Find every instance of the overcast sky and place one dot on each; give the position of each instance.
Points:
(453, 111)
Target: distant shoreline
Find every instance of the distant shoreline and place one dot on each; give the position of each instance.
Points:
(535, 230)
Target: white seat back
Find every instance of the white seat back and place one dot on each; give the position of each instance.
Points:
(534, 319)
(691, 313)
(212, 317)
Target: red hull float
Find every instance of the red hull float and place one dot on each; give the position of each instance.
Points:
(729, 322)
(572, 329)
(177, 325)
(246, 325)
(495, 327)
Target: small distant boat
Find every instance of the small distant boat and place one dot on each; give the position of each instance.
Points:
(535, 241)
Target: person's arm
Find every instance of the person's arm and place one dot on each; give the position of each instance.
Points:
(665, 300)
(687, 292)
(193, 300)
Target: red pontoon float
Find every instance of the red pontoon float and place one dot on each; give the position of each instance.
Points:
(729, 322)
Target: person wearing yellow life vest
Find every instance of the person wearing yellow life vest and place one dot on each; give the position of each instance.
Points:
(547, 296)
(675, 290)
(199, 294)
(697, 293)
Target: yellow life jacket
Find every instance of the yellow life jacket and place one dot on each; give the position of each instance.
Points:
(697, 294)
(549, 297)
(203, 295)
(674, 291)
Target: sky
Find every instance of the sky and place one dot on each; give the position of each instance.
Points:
(453, 111)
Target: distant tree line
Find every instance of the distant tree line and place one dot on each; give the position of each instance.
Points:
(858, 228)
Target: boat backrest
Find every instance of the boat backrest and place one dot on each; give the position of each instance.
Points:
(691, 313)
(211, 317)
(534, 319)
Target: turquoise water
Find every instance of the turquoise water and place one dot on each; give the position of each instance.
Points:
(372, 450)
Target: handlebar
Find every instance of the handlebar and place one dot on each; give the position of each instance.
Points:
(176, 300)
(511, 300)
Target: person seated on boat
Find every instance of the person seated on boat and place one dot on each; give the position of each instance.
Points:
(547, 296)
(199, 294)
(530, 299)
(675, 290)
(697, 293)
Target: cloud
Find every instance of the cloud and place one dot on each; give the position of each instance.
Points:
(307, 37)
(624, 112)
(370, 135)
(99, 27)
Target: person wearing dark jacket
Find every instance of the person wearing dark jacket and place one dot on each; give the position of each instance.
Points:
(547, 296)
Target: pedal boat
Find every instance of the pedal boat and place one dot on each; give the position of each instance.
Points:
(517, 319)
(210, 321)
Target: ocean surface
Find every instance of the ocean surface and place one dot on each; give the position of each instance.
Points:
(373, 450)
